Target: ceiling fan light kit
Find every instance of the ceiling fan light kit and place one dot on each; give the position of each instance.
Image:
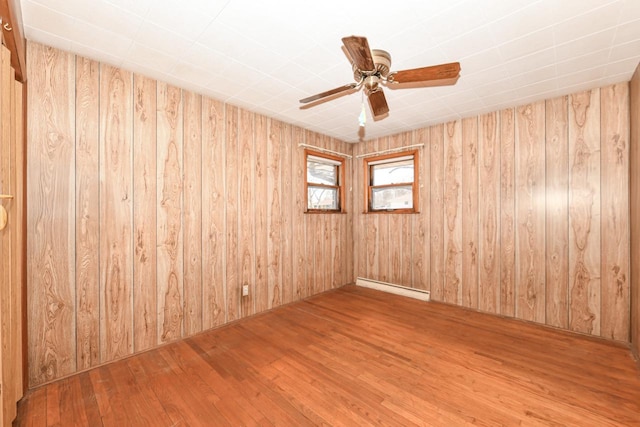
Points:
(372, 71)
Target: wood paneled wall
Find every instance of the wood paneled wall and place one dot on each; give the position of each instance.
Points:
(635, 211)
(12, 242)
(150, 206)
(524, 212)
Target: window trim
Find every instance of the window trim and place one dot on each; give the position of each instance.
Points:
(339, 162)
(369, 162)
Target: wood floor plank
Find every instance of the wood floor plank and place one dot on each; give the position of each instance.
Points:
(355, 356)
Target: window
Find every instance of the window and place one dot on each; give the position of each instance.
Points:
(392, 182)
(324, 183)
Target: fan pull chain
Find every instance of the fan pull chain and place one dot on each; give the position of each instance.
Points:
(362, 118)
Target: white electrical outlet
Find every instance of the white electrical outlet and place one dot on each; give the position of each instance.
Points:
(245, 290)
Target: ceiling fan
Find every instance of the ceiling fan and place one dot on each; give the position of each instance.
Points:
(371, 70)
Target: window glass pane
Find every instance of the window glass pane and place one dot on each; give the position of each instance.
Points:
(392, 172)
(322, 173)
(392, 198)
(322, 198)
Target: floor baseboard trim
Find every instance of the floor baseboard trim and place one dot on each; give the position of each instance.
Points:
(394, 289)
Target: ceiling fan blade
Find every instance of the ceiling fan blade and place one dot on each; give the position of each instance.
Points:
(331, 92)
(425, 74)
(378, 103)
(358, 49)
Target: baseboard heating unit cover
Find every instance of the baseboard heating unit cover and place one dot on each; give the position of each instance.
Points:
(394, 289)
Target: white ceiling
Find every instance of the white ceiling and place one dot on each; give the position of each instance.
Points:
(266, 55)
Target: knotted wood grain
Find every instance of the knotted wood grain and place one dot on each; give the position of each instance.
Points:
(169, 211)
(452, 197)
(470, 212)
(530, 212)
(507, 212)
(557, 215)
(614, 151)
(213, 210)
(192, 212)
(489, 213)
(116, 213)
(145, 199)
(87, 213)
(246, 207)
(51, 240)
(420, 228)
(584, 212)
(437, 212)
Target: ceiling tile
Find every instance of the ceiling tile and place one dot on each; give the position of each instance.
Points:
(527, 45)
(630, 11)
(627, 32)
(625, 50)
(47, 20)
(170, 14)
(40, 36)
(585, 45)
(138, 7)
(591, 22)
(151, 58)
(161, 39)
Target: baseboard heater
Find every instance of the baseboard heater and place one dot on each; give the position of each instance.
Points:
(394, 289)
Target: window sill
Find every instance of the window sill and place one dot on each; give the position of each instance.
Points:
(324, 212)
(400, 212)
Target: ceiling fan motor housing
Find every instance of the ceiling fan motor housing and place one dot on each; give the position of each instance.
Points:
(382, 60)
(382, 63)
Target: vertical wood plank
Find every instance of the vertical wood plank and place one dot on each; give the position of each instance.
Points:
(337, 243)
(406, 259)
(51, 241)
(8, 255)
(437, 212)
(6, 285)
(317, 236)
(374, 241)
(381, 223)
(489, 213)
(557, 214)
(145, 313)
(274, 212)
(357, 190)
(348, 220)
(20, 248)
(507, 213)
(231, 171)
(395, 229)
(192, 212)
(287, 205)
(470, 212)
(213, 219)
(310, 234)
(87, 213)
(584, 212)
(421, 223)
(634, 202)
(116, 209)
(261, 292)
(615, 211)
(452, 237)
(327, 260)
(530, 213)
(299, 254)
(246, 208)
(170, 231)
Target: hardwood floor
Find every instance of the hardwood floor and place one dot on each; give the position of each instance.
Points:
(356, 357)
